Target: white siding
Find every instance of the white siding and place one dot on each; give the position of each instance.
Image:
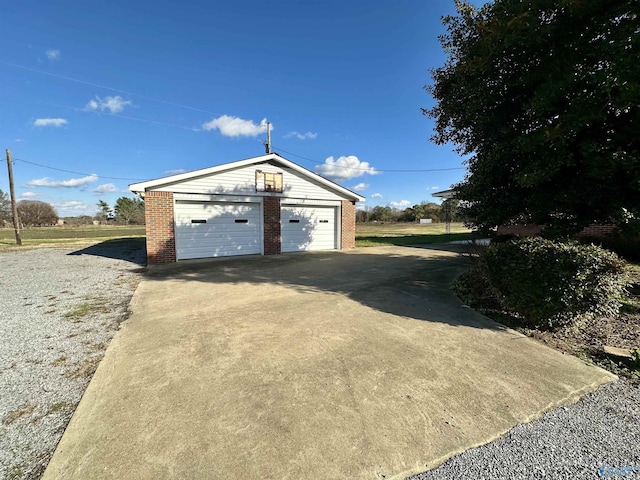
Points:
(215, 229)
(308, 228)
(241, 181)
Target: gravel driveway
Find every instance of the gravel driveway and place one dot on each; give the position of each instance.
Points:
(59, 310)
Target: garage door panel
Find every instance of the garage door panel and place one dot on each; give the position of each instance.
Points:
(308, 228)
(217, 229)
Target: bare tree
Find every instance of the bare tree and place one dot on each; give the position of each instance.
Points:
(34, 213)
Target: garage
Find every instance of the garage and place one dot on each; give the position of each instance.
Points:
(264, 205)
(308, 228)
(216, 229)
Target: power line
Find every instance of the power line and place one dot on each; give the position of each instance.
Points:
(75, 173)
(367, 169)
(126, 117)
(97, 85)
(166, 102)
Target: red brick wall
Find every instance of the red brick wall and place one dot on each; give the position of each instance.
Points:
(272, 237)
(161, 238)
(526, 230)
(348, 224)
(533, 230)
(596, 231)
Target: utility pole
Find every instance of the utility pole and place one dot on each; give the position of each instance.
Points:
(14, 207)
(268, 142)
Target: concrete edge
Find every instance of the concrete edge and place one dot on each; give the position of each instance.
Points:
(571, 399)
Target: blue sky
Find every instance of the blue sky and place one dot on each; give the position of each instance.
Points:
(110, 93)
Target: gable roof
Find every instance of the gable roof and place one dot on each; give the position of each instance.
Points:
(151, 184)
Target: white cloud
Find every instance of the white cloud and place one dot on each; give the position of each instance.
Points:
(344, 168)
(28, 195)
(53, 54)
(302, 136)
(400, 204)
(376, 195)
(19, 140)
(435, 188)
(73, 208)
(175, 172)
(71, 183)
(236, 127)
(361, 186)
(50, 122)
(113, 104)
(70, 205)
(106, 188)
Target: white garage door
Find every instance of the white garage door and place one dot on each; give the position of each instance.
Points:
(214, 229)
(308, 228)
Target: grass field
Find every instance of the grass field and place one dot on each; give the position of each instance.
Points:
(367, 234)
(53, 236)
(384, 234)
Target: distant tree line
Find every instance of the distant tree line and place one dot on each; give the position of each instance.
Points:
(448, 211)
(35, 213)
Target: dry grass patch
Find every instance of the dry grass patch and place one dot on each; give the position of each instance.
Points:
(98, 347)
(57, 407)
(59, 361)
(93, 304)
(79, 311)
(15, 415)
(84, 369)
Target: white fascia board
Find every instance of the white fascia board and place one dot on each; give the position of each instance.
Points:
(150, 184)
(308, 173)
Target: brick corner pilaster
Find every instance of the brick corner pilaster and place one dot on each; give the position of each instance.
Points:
(348, 225)
(272, 229)
(160, 228)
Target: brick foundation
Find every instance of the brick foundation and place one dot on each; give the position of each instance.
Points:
(272, 235)
(161, 238)
(595, 231)
(348, 225)
(524, 230)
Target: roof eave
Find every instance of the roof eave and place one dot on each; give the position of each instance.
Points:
(150, 184)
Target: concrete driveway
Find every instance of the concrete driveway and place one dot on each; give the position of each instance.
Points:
(358, 364)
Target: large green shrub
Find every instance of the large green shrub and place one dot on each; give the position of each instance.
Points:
(551, 283)
(627, 246)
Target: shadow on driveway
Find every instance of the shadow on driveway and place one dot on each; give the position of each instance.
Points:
(359, 364)
(410, 285)
(129, 249)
